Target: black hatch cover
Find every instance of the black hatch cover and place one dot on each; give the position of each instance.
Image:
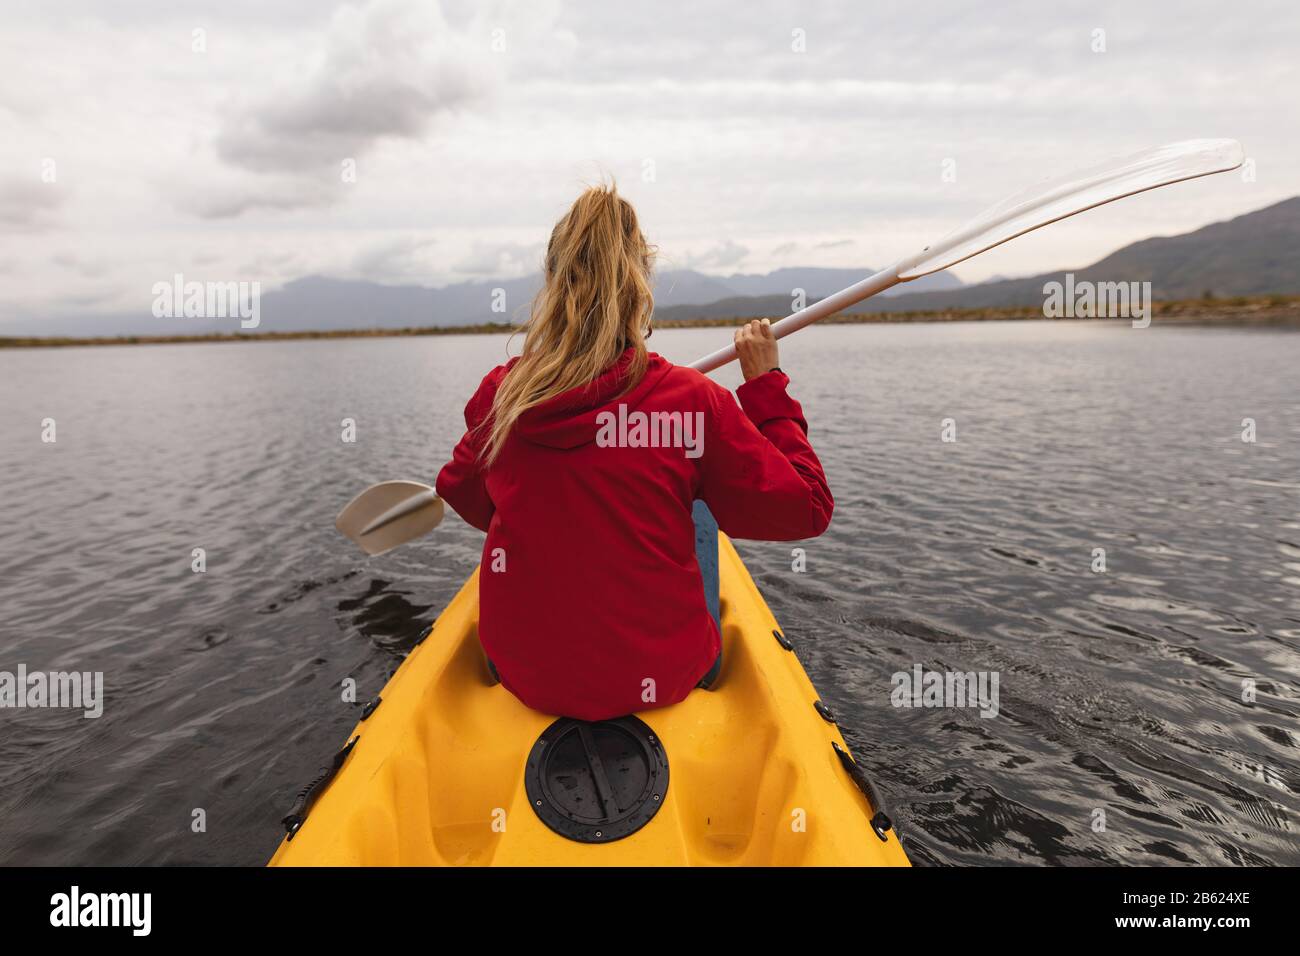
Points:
(597, 782)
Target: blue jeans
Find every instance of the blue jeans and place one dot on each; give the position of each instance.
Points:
(706, 553)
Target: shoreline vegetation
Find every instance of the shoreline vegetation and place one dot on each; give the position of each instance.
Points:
(1281, 311)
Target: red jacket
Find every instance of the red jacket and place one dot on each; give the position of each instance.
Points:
(595, 608)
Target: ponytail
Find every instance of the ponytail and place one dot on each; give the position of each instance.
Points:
(596, 303)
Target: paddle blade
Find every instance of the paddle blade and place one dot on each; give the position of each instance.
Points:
(1056, 198)
(390, 513)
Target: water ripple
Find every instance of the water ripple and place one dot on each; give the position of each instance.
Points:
(1147, 713)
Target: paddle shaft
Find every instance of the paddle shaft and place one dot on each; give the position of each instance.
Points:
(882, 280)
(1026, 211)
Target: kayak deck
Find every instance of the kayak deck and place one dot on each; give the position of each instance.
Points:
(437, 774)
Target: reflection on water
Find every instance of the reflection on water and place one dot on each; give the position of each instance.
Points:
(1121, 693)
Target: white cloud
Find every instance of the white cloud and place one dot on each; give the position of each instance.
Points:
(386, 69)
(721, 255)
(410, 258)
(28, 205)
(504, 260)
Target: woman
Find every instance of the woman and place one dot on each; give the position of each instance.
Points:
(582, 460)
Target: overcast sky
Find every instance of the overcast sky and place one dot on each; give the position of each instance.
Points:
(221, 154)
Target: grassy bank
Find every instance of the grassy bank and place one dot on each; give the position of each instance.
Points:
(1275, 310)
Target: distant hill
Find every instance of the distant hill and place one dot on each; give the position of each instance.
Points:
(816, 283)
(1254, 254)
(322, 304)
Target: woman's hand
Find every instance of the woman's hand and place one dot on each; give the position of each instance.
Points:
(756, 346)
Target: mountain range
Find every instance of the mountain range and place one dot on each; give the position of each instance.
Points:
(317, 303)
(1257, 253)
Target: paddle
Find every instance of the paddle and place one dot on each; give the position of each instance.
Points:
(1035, 207)
(394, 512)
(390, 513)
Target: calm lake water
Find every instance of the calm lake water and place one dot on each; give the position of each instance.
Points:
(1120, 692)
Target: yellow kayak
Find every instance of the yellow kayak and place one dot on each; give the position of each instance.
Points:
(450, 769)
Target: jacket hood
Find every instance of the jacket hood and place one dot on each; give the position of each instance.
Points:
(569, 419)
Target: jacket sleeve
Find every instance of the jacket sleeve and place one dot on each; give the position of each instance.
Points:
(461, 483)
(760, 477)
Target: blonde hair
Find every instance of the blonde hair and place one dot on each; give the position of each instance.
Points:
(596, 303)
